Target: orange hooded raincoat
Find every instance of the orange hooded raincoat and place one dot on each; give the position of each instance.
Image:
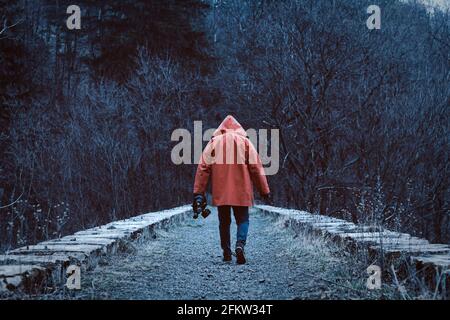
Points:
(233, 164)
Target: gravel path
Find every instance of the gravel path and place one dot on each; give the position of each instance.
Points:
(186, 263)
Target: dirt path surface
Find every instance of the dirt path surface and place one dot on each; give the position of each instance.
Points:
(186, 263)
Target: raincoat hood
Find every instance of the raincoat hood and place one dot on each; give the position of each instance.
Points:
(229, 124)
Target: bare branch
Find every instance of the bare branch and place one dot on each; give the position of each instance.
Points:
(12, 203)
(6, 26)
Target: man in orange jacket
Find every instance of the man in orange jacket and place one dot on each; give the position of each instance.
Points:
(234, 165)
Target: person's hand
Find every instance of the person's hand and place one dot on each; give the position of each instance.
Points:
(267, 198)
(199, 202)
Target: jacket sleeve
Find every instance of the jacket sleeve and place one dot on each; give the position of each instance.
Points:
(256, 170)
(203, 170)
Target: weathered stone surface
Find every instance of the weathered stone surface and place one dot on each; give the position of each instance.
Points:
(108, 245)
(412, 248)
(43, 260)
(107, 234)
(56, 247)
(54, 264)
(434, 270)
(91, 253)
(27, 278)
(48, 260)
(331, 225)
(86, 239)
(439, 260)
(383, 244)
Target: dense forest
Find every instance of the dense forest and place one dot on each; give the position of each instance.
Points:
(86, 115)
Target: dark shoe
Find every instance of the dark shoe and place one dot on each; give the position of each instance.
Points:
(240, 257)
(227, 256)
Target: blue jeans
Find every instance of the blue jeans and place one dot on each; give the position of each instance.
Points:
(242, 222)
